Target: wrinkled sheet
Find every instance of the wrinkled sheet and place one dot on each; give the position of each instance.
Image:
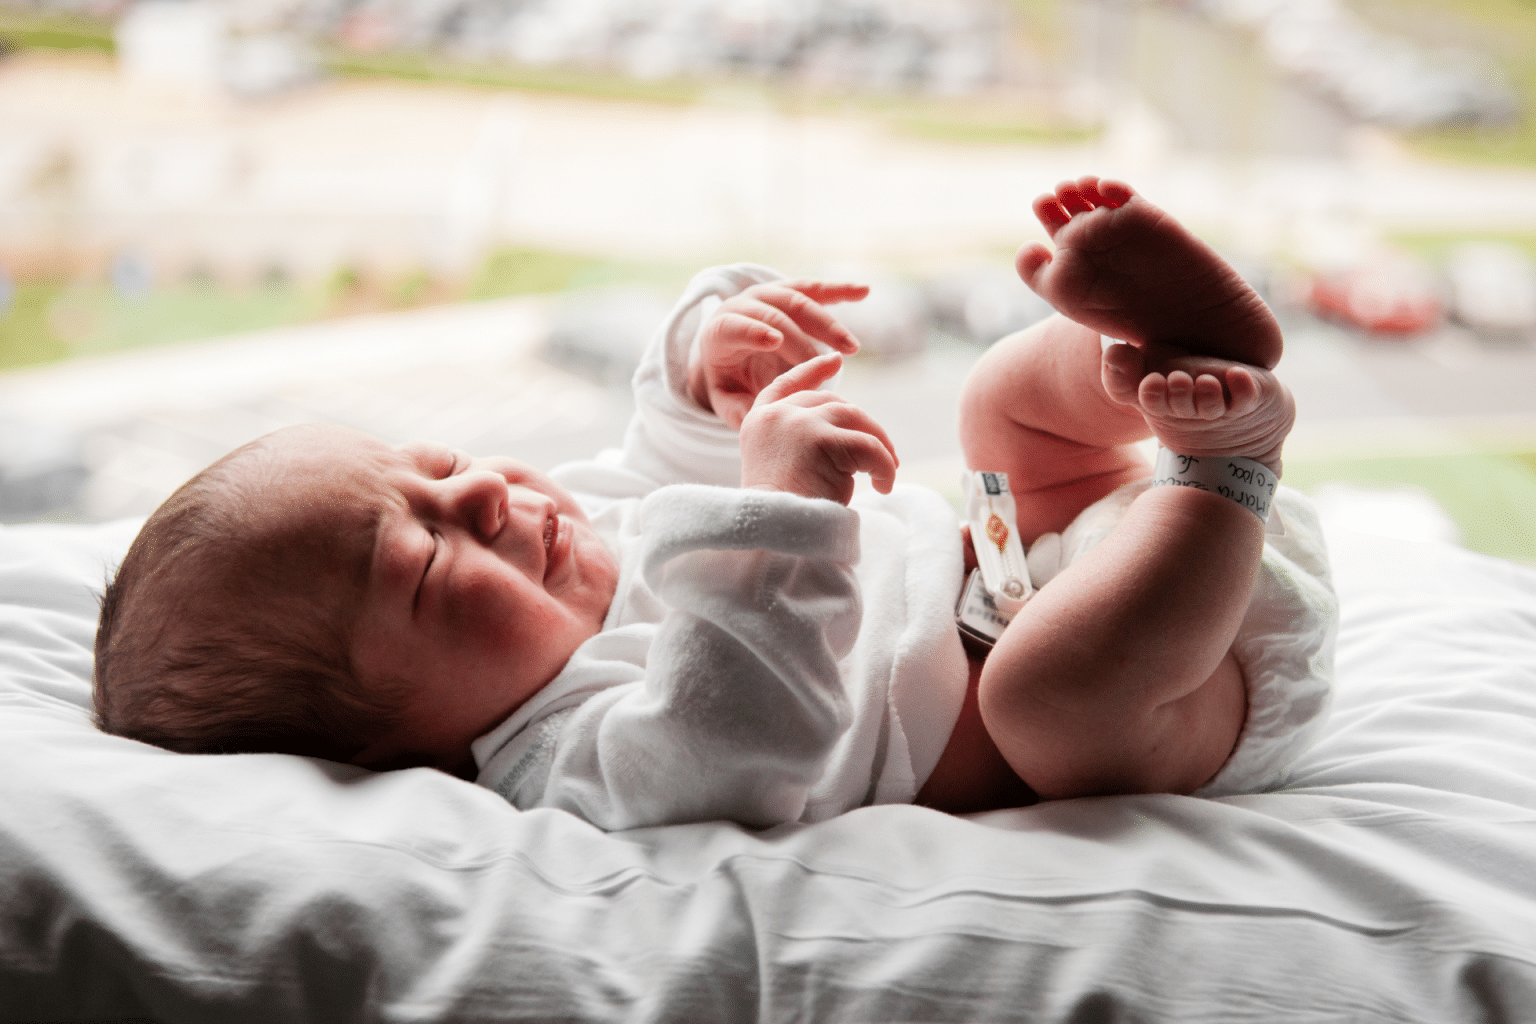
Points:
(1394, 878)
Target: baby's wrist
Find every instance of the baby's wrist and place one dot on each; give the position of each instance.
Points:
(799, 491)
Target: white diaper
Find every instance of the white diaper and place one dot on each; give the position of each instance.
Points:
(1285, 644)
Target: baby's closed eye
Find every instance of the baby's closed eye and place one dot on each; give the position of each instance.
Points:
(435, 541)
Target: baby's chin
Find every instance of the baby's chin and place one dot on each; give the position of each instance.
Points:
(599, 570)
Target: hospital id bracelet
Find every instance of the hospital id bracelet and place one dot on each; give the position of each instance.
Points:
(980, 621)
(1251, 484)
(994, 521)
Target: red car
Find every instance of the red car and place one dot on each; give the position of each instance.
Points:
(1390, 297)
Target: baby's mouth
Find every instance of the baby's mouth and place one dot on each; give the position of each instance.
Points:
(554, 554)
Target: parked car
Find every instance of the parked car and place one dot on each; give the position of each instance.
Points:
(601, 333)
(1493, 289)
(982, 304)
(1392, 296)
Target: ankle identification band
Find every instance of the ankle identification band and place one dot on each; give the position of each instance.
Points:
(980, 621)
(1251, 484)
(994, 523)
(998, 587)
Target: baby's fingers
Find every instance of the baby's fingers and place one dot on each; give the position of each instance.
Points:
(867, 448)
(830, 292)
(802, 302)
(738, 330)
(806, 376)
(752, 324)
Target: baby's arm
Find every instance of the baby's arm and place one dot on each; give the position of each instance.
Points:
(741, 698)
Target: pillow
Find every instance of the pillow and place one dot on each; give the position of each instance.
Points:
(51, 579)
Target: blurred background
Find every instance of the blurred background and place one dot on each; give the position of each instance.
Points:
(460, 219)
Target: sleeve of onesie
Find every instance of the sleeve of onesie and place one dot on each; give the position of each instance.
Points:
(742, 699)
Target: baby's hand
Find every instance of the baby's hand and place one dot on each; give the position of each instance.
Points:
(811, 442)
(757, 335)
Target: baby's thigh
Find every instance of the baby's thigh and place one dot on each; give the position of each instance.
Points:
(1033, 407)
(1068, 739)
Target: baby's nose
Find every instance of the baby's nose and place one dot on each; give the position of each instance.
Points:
(478, 499)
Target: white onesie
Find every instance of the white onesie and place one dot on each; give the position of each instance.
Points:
(752, 665)
(770, 658)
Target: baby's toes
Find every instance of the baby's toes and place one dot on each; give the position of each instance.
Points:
(1030, 260)
(1121, 370)
(1244, 388)
(1088, 187)
(1152, 396)
(1050, 213)
(1114, 193)
(1181, 395)
(1072, 198)
(1209, 397)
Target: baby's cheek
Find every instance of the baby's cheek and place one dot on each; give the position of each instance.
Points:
(485, 612)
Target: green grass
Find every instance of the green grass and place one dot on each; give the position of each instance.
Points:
(436, 68)
(1491, 497)
(50, 321)
(514, 271)
(189, 314)
(519, 271)
(968, 126)
(26, 338)
(26, 30)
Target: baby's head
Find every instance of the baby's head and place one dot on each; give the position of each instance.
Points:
(319, 592)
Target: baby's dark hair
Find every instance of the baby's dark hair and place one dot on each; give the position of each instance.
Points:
(220, 631)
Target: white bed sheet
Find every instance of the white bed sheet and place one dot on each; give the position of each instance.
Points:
(1394, 879)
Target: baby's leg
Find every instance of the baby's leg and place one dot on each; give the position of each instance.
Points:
(1127, 269)
(1046, 407)
(1118, 676)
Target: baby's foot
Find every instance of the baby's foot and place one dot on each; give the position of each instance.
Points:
(1202, 405)
(1130, 271)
